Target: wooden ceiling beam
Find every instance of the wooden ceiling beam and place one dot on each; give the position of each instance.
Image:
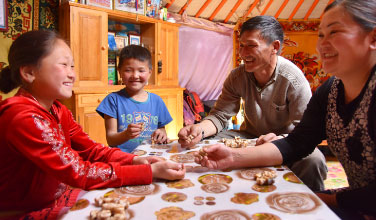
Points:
(217, 9)
(232, 11)
(281, 8)
(251, 8)
(202, 8)
(184, 7)
(313, 6)
(169, 4)
(329, 2)
(295, 9)
(266, 7)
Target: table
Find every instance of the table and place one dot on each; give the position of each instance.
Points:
(209, 194)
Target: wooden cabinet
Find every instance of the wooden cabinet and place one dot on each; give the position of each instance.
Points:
(168, 48)
(173, 98)
(86, 29)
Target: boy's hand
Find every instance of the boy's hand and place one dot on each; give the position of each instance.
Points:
(216, 156)
(159, 136)
(133, 131)
(146, 160)
(168, 170)
(190, 135)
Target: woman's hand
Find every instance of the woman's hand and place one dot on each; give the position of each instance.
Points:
(216, 156)
(168, 170)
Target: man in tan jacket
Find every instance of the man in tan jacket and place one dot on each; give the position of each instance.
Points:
(275, 94)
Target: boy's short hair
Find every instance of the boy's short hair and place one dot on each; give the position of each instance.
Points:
(135, 52)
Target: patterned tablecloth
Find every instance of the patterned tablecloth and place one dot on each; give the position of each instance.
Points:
(210, 194)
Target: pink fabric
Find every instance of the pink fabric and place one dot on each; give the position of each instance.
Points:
(202, 23)
(205, 59)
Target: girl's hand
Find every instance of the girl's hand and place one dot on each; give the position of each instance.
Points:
(159, 136)
(146, 160)
(133, 131)
(168, 170)
(216, 156)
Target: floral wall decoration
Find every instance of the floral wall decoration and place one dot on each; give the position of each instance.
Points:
(20, 15)
(300, 26)
(47, 14)
(299, 47)
(310, 66)
(27, 15)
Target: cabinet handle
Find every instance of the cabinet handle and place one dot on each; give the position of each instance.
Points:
(103, 48)
(99, 100)
(160, 66)
(160, 53)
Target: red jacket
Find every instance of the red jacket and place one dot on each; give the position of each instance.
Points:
(40, 152)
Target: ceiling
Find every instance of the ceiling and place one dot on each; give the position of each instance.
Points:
(229, 11)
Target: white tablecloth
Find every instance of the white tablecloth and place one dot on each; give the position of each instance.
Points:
(170, 200)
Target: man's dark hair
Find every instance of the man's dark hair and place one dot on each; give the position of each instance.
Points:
(270, 29)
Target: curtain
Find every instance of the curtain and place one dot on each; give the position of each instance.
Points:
(205, 59)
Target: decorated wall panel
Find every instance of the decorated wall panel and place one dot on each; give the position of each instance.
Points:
(23, 16)
(300, 47)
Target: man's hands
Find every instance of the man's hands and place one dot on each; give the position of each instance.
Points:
(190, 135)
(216, 156)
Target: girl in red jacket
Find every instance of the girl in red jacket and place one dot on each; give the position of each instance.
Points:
(43, 150)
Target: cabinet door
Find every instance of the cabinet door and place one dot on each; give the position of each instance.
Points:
(168, 54)
(92, 123)
(89, 42)
(173, 98)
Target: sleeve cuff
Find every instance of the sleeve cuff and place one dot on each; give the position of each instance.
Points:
(136, 174)
(218, 125)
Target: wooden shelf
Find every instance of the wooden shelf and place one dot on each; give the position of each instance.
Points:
(86, 29)
(123, 16)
